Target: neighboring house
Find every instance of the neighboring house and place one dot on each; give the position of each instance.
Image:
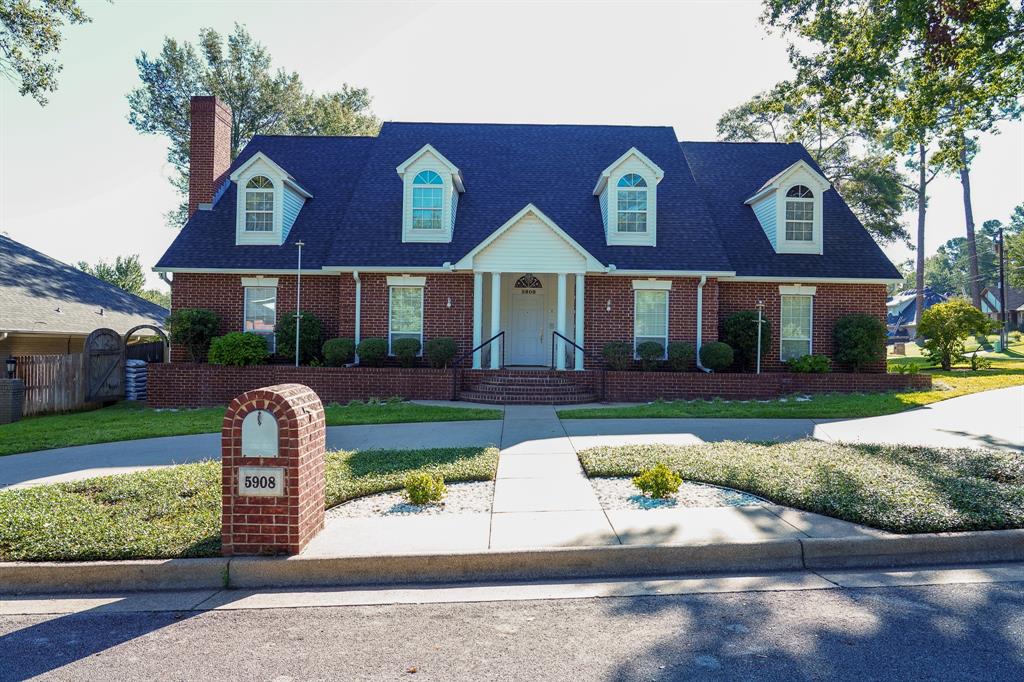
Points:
(991, 305)
(48, 307)
(901, 318)
(602, 233)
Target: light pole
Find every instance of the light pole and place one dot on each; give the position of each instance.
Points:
(1003, 332)
(760, 308)
(298, 299)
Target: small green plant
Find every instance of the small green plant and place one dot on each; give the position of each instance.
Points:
(979, 362)
(424, 488)
(859, 340)
(373, 352)
(716, 355)
(1016, 336)
(405, 351)
(339, 352)
(680, 355)
(945, 327)
(739, 330)
(618, 355)
(650, 353)
(905, 368)
(809, 364)
(310, 337)
(658, 482)
(193, 328)
(238, 349)
(440, 351)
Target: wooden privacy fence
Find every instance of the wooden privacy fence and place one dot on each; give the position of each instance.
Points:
(53, 383)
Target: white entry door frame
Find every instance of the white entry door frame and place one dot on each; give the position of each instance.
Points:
(528, 327)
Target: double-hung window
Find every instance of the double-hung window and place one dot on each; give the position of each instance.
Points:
(259, 205)
(799, 214)
(405, 315)
(632, 203)
(261, 313)
(650, 320)
(427, 198)
(797, 316)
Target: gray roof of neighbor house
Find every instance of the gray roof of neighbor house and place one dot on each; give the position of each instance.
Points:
(354, 218)
(39, 294)
(1014, 297)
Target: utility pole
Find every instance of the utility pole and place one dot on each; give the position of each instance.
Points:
(1003, 332)
(298, 299)
(760, 307)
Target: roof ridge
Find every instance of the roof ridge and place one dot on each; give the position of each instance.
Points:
(526, 125)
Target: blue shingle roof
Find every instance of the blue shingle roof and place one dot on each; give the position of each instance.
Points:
(355, 216)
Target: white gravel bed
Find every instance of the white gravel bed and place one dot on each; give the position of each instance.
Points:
(462, 498)
(620, 493)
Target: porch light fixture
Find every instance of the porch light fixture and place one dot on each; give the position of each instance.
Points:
(608, 306)
(449, 301)
(12, 364)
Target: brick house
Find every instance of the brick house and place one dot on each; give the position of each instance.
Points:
(598, 233)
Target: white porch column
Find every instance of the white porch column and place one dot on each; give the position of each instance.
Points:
(578, 359)
(478, 315)
(496, 319)
(560, 323)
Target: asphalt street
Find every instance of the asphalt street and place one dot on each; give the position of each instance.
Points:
(934, 632)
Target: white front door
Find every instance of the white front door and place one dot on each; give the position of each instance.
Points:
(526, 330)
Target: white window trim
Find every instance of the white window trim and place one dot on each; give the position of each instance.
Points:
(668, 309)
(636, 189)
(631, 162)
(428, 158)
(259, 281)
(815, 245)
(243, 236)
(660, 284)
(249, 283)
(406, 283)
(802, 292)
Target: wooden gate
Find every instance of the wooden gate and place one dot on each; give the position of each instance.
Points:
(104, 366)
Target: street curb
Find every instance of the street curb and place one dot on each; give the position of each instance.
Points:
(932, 550)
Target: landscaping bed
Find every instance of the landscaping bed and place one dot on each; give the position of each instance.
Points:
(898, 489)
(175, 511)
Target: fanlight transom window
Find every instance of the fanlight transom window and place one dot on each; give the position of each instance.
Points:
(528, 282)
(259, 205)
(799, 214)
(427, 199)
(632, 203)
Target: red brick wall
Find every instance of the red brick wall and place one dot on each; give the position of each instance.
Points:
(831, 301)
(209, 149)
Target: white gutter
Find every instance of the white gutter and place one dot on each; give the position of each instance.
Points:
(700, 320)
(359, 296)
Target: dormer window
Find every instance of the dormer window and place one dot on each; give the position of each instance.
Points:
(799, 214)
(427, 201)
(632, 203)
(259, 205)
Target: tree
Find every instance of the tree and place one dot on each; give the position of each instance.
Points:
(125, 272)
(193, 328)
(30, 37)
(1013, 233)
(158, 296)
(866, 177)
(262, 100)
(945, 327)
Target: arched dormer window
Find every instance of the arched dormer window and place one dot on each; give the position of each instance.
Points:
(631, 194)
(799, 214)
(259, 204)
(427, 201)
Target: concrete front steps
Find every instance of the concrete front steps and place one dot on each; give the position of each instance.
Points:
(528, 386)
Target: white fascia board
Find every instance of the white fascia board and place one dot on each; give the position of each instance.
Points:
(290, 181)
(811, 280)
(246, 271)
(332, 269)
(466, 262)
(672, 273)
(260, 156)
(633, 151)
(797, 290)
(777, 180)
(652, 284)
(451, 167)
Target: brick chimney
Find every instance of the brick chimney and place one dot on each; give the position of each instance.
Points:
(209, 149)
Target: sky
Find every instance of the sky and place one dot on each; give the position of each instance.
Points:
(77, 182)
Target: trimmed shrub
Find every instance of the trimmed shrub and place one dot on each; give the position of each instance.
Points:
(658, 482)
(945, 327)
(651, 353)
(440, 352)
(739, 330)
(405, 351)
(373, 352)
(618, 355)
(680, 355)
(339, 352)
(238, 349)
(858, 340)
(716, 355)
(193, 328)
(809, 364)
(309, 340)
(424, 488)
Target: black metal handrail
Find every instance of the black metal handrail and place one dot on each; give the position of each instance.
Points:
(586, 354)
(459, 360)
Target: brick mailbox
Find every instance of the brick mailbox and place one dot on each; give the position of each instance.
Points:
(273, 481)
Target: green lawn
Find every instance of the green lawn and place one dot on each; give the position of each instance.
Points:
(175, 512)
(1007, 370)
(899, 489)
(128, 421)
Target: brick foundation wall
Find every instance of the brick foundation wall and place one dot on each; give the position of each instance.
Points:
(831, 301)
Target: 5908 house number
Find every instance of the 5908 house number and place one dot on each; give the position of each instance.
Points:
(261, 481)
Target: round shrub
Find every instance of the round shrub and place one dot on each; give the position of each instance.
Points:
(424, 488)
(440, 352)
(809, 364)
(406, 350)
(740, 331)
(372, 352)
(680, 355)
(858, 340)
(238, 349)
(716, 355)
(339, 352)
(651, 353)
(618, 355)
(658, 482)
(309, 340)
(193, 328)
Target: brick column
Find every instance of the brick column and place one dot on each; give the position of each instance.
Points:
(284, 509)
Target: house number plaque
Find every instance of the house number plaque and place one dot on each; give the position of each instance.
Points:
(261, 481)
(259, 434)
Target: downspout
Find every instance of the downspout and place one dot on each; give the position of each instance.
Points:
(700, 320)
(359, 297)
